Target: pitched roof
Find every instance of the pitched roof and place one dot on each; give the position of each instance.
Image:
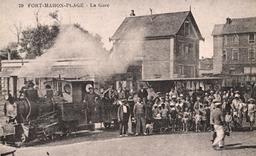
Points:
(237, 25)
(155, 25)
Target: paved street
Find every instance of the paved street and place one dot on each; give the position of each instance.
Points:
(239, 143)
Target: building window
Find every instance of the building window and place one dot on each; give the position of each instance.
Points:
(251, 38)
(251, 54)
(186, 50)
(180, 69)
(235, 40)
(224, 55)
(186, 28)
(191, 51)
(180, 49)
(191, 72)
(235, 55)
(225, 40)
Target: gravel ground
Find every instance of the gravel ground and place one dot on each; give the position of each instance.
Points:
(182, 144)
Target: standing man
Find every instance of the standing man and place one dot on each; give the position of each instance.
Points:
(218, 121)
(237, 106)
(251, 112)
(10, 109)
(143, 94)
(139, 114)
(90, 99)
(123, 114)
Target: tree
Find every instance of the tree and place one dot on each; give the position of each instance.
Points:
(36, 40)
(32, 41)
(12, 49)
(17, 31)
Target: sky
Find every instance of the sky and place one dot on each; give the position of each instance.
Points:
(106, 20)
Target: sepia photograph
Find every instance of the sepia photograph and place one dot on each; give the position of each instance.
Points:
(127, 77)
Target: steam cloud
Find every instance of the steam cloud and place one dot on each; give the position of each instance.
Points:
(72, 43)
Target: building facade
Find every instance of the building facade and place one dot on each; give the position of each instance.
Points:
(234, 50)
(12, 80)
(166, 45)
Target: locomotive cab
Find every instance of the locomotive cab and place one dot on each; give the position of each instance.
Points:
(72, 111)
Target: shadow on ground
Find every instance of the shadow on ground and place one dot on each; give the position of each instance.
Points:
(238, 146)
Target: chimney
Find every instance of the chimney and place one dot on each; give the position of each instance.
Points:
(9, 54)
(228, 20)
(151, 14)
(132, 13)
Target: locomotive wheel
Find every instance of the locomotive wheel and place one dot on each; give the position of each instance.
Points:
(116, 125)
(162, 129)
(23, 138)
(107, 125)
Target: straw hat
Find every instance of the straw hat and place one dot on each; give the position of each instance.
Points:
(174, 97)
(251, 99)
(215, 101)
(237, 95)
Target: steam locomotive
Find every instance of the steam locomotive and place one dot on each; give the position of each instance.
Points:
(61, 110)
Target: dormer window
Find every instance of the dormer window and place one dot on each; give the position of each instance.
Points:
(251, 38)
(186, 28)
(235, 40)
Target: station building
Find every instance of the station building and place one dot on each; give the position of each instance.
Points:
(153, 47)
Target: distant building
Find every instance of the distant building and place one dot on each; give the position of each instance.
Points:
(166, 45)
(234, 50)
(205, 66)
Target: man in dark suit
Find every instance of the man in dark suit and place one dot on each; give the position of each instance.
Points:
(90, 99)
(123, 114)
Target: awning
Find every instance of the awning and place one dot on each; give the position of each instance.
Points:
(68, 73)
(7, 72)
(183, 79)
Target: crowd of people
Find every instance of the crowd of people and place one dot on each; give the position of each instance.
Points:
(186, 112)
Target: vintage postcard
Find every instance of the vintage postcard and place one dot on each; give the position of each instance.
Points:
(127, 77)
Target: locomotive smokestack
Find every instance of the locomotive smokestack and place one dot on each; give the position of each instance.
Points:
(132, 13)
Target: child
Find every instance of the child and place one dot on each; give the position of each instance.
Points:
(179, 117)
(251, 112)
(204, 120)
(164, 112)
(228, 120)
(198, 119)
(185, 119)
(155, 111)
(172, 117)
